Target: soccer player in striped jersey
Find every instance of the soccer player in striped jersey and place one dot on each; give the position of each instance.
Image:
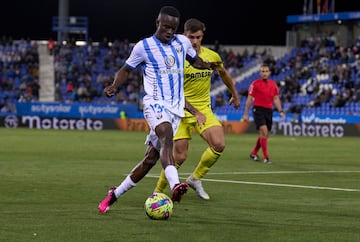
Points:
(162, 58)
(197, 92)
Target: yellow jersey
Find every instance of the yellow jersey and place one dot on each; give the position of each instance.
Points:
(197, 82)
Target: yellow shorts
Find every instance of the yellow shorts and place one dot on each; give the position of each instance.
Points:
(189, 123)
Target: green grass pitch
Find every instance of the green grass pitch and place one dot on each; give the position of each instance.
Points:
(52, 181)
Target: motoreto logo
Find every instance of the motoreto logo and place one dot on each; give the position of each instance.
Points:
(310, 129)
(65, 124)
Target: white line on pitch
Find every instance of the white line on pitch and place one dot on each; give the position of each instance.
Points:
(273, 172)
(284, 185)
(268, 172)
(272, 184)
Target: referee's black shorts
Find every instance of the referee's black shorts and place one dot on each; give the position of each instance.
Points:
(262, 116)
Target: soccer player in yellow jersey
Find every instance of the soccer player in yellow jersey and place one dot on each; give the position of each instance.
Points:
(197, 92)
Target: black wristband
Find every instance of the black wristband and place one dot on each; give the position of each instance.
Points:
(281, 111)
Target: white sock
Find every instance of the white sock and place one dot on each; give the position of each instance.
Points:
(126, 185)
(172, 175)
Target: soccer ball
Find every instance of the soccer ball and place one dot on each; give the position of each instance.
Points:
(158, 206)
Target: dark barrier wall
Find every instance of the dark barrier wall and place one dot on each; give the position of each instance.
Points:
(334, 130)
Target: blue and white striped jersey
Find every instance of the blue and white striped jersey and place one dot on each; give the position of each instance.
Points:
(163, 69)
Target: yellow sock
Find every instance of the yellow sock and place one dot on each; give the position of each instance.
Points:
(162, 182)
(207, 160)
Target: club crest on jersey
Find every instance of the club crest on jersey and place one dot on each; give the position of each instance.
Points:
(169, 61)
(178, 49)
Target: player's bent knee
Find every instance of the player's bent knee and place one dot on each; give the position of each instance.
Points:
(180, 158)
(219, 148)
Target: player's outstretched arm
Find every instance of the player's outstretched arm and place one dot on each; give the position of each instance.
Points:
(120, 77)
(227, 80)
(201, 64)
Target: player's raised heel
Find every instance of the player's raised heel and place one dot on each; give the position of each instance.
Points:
(178, 191)
(197, 186)
(254, 157)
